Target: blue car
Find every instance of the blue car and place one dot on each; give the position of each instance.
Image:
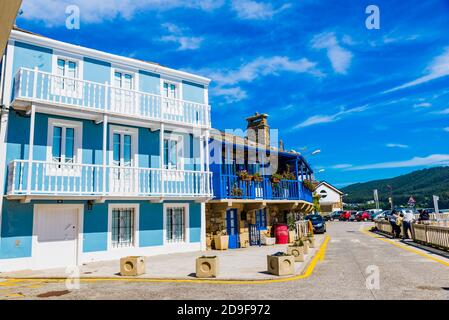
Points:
(318, 223)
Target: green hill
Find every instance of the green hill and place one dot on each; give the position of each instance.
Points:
(421, 184)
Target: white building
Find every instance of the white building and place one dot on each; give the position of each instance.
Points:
(331, 198)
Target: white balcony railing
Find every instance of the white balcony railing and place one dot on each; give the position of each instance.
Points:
(45, 87)
(69, 179)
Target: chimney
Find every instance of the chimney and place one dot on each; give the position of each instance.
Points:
(258, 129)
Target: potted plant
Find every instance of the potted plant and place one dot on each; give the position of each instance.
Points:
(257, 177)
(237, 192)
(207, 267)
(297, 249)
(287, 174)
(291, 227)
(221, 240)
(276, 178)
(281, 264)
(308, 184)
(244, 175)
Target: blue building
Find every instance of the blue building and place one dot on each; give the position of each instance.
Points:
(256, 184)
(101, 156)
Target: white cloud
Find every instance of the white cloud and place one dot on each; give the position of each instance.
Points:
(52, 12)
(339, 57)
(262, 67)
(230, 95)
(341, 166)
(319, 119)
(446, 129)
(226, 79)
(445, 111)
(177, 36)
(434, 159)
(396, 145)
(253, 10)
(422, 105)
(437, 69)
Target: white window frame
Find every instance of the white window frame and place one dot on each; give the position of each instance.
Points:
(134, 133)
(52, 168)
(185, 206)
(178, 93)
(175, 174)
(132, 73)
(79, 75)
(136, 208)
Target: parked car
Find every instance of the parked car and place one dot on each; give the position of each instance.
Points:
(326, 216)
(345, 215)
(352, 216)
(335, 215)
(373, 212)
(381, 215)
(318, 223)
(362, 216)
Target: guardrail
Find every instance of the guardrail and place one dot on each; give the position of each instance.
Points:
(435, 236)
(430, 235)
(34, 85)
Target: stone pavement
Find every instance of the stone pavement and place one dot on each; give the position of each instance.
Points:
(237, 264)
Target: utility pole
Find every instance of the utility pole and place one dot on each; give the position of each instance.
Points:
(391, 196)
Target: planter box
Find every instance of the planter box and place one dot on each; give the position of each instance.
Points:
(132, 266)
(291, 236)
(221, 242)
(268, 241)
(306, 247)
(244, 240)
(297, 252)
(207, 267)
(281, 265)
(311, 242)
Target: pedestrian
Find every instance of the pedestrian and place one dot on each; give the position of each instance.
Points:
(399, 223)
(424, 216)
(392, 220)
(409, 217)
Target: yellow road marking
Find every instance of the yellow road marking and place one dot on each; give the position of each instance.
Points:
(319, 256)
(422, 254)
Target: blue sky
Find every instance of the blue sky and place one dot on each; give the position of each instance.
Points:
(376, 102)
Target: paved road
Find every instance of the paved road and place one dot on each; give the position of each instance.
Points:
(351, 257)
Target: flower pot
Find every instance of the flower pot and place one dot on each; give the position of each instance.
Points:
(281, 265)
(291, 236)
(132, 266)
(244, 240)
(221, 242)
(207, 267)
(268, 241)
(297, 252)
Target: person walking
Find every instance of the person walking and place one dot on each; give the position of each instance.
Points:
(409, 217)
(392, 220)
(399, 220)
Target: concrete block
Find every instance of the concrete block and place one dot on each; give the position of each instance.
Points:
(297, 252)
(281, 265)
(207, 267)
(132, 266)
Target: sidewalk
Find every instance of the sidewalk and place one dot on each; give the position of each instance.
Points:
(237, 264)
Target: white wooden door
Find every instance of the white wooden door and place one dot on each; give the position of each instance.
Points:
(56, 237)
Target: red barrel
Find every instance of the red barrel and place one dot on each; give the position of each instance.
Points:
(281, 233)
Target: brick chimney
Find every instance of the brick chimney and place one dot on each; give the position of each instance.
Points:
(258, 129)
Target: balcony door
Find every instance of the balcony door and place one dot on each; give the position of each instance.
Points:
(124, 175)
(170, 95)
(122, 92)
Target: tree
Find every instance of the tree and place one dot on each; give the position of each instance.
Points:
(316, 202)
